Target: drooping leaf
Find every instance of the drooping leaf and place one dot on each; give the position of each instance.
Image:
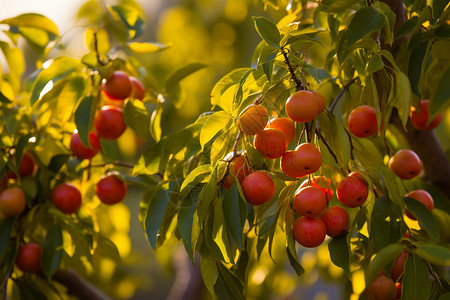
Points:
(215, 123)
(155, 123)
(365, 21)
(185, 221)
(84, 118)
(130, 17)
(423, 214)
(438, 8)
(209, 271)
(416, 283)
(235, 213)
(136, 116)
(415, 66)
(339, 253)
(52, 251)
(435, 254)
(6, 226)
(224, 84)
(156, 206)
(196, 176)
(268, 31)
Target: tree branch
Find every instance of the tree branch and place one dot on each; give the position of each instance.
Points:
(297, 81)
(341, 92)
(78, 286)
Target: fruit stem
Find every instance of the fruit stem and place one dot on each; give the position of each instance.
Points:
(329, 149)
(341, 92)
(99, 59)
(298, 83)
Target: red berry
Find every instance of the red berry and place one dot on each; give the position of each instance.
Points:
(336, 220)
(352, 192)
(419, 116)
(80, 151)
(288, 167)
(27, 165)
(117, 86)
(421, 196)
(285, 125)
(307, 158)
(405, 164)
(271, 143)
(322, 183)
(309, 233)
(28, 258)
(362, 121)
(310, 201)
(111, 189)
(67, 198)
(303, 106)
(109, 122)
(138, 88)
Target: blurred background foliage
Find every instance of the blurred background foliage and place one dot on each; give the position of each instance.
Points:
(221, 35)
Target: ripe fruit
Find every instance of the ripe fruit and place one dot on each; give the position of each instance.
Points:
(271, 143)
(352, 191)
(28, 258)
(405, 164)
(285, 125)
(362, 121)
(117, 86)
(258, 188)
(309, 233)
(80, 151)
(381, 288)
(288, 167)
(419, 116)
(336, 220)
(399, 265)
(67, 198)
(307, 158)
(111, 189)
(109, 122)
(322, 183)
(303, 106)
(322, 101)
(253, 119)
(12, 201)
(138, 90)
(421, 196)
(238, 168)
(27, 165)
(310, 201)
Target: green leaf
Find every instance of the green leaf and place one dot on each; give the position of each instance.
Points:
(146, 47)
(401, 96)
(441, 97)
(131, 18)
(364, 21)
(224, 84)
(374, 64)
(415, 66)
(407, 27)
(185, 221)
(268, 31)
(6, 226)
(339, 253)
(52, 251)
(209, 271)
(155, 123)
(423, 214)
(196, 176)
(180, 74)
(290, 244)
(336, 5)
(157, 203)
(106, 248)
(136, 116)
(228, 286)
(4, 99)
(59, 68)
(84, 118)
(29, 291)
(30, 186)
(385, 232)
(220, 233)
(215, 123)
(32, 20)
(382, 258)
(235, 212)
(435, 254)
(416, 283)
(438, 8)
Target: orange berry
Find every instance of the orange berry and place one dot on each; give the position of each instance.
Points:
(322, 101)
(285, 125)
(271, 143)
(362, 121)
(336, 220)
(12, 201)
(322, 183)
(309, 233)
(352, 192)
(253, 119)
(258, 188)
(405, 164)
(307, 158)
(381, 288)
(288, 167)
(303, 106)
(310, 201)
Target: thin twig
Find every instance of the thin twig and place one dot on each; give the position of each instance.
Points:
(341, 92)
(99, 59)
(116, 163)
(329, 149)
(298, 83)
